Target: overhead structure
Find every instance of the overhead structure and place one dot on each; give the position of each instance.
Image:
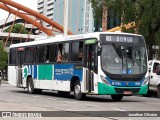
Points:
(24, 12)
(119, 28)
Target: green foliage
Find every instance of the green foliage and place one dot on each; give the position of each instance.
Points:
(145, 14)
(17, 29)
(97, 10)
(3, 56)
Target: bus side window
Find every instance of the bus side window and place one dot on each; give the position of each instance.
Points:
(52, 52)
(29, 55)
(13, 58)
(80, 51)
(41, 54)
(59, 53)
(65, 52)
(47, 53)
(76, 51)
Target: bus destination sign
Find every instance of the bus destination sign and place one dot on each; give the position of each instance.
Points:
(105, 38)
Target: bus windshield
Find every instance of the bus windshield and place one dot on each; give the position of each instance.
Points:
(123, 59)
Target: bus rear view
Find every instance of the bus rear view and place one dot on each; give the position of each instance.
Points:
(123, 65)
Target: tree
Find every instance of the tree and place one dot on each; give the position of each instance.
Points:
(16, 29)
(145, 14)
(3, 56)
(97, 12)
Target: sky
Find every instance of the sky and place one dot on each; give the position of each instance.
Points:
(32, 4)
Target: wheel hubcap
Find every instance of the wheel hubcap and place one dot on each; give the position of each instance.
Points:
(77, 89)
(29, 86)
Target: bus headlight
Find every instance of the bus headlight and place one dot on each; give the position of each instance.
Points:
(104, 80)
(146, 81)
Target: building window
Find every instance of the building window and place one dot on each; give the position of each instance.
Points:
(51, 9)
(51, 4)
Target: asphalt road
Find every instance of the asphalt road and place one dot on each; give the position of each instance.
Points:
(17, 99)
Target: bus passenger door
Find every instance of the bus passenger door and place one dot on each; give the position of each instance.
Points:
(91, 67)
(19, 70)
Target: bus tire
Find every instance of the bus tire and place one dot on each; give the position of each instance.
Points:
(158, 91)
(77, 91)
(149, 94)
(30, 86)
(116, 97)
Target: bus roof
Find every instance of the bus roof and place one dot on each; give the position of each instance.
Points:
(61, 38)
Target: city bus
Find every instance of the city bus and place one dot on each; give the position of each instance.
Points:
(100, 63)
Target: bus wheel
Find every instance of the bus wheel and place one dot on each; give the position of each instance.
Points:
(30, 86)
(117, 97)
(149, 94)
(77, 91)
(158, 91)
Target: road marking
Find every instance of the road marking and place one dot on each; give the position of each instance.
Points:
(118, 109)
(93, 105)
(10, 93)
(35, 96)
(70, 102)
(51, 99)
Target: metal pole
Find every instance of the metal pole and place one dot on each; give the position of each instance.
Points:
(11, 29)
(65, 18)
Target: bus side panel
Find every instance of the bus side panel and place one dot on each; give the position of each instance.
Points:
(96, 77)
(46, 84)
(12, 75)
(63, 74)
(63, 85)
(83, 82)
(45, 76)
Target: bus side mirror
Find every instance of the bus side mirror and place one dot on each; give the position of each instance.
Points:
(99, 50)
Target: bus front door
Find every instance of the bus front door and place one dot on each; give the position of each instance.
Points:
(91, 66)
(19, 69)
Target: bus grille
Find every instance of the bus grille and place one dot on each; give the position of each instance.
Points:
(121, 90)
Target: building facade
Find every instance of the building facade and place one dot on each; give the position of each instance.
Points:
(80, 15)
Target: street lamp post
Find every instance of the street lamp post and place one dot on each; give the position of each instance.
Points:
(65, 31)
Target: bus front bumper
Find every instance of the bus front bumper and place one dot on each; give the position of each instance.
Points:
(104, 89)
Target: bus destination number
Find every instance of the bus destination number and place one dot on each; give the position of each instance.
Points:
(119, 39)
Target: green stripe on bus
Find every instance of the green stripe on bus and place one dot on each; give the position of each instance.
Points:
(48, 72)
(105, 89)
(45, 72)
(109, 90)
(41, 72)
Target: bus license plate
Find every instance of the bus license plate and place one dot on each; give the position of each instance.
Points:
(127, 92)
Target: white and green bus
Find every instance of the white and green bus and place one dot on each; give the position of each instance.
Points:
(102, 63)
